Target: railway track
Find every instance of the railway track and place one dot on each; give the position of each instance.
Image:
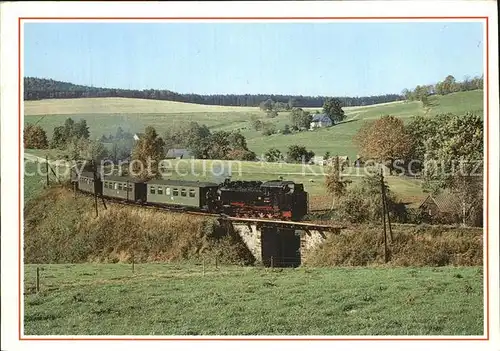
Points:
(165, 208)
(177, 209)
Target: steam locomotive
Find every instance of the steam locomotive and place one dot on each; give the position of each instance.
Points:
(277, 199)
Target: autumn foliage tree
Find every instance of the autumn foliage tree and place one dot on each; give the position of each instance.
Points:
(147, 154)
(34, 137)
(384, 140)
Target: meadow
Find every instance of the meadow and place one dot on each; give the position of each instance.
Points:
(109, 299)
(104, 115)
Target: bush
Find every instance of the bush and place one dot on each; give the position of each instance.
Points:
(424, 246)
(34, 137)
(61, 229)
(362, 202)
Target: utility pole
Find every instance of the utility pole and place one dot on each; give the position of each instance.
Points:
(95, 188)
(386, 206)
(47, 168)
(386, 257)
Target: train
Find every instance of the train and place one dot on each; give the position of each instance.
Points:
(275, 199)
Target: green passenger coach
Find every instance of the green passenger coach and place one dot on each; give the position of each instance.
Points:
(179, 192)
(124, 188)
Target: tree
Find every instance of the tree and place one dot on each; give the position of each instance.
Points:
(273, 155)
(327, 155)
(92, 150)
(406, 94)
(219, 145)
(454, 150)
(191, 136)
(300, 118)
(297, 153)
(121, 149)
(272, 114)
(267, 105)
(333, 181)
(384, 140)
(268, 129)
(34, 137)
(333, 109)
(119, 133)
(242, 155)
(237, 141)
(146, 155)
(286, 130)
(80, 130)
(58, 140)
(256, 123)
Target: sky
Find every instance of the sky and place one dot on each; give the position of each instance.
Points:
(314, 58)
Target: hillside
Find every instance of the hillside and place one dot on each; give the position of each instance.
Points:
(104, 115)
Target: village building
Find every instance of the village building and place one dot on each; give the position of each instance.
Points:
(320, 120)
(178, 154)
(443, 207)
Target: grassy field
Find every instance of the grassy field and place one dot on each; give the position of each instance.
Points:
(106, 114)
(167, 299)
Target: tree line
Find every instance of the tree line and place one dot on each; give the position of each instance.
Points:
(447, 86)
(40, 88)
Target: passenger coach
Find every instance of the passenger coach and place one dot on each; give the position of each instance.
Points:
(180, 192)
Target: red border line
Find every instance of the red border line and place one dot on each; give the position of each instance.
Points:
(19, 168)
(487, 178)
(486, 89)
(249, 18)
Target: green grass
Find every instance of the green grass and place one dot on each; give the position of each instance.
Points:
(105, 115)
(33, 180)
(168, 299)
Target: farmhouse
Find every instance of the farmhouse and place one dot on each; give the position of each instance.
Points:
(138, 136)
(444, 206)
(320, 120)
(178, 153)
(358, 162)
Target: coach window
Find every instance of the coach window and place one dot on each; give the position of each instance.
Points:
(120, 186)
(167, 191)
(183, 192)
(192, 193)
(175, 192)
(153, 190)
(160, 190)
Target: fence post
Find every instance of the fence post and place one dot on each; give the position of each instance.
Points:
(37, 279)
(216, 262)
(133, 262)
(47, 168)
(203, 265)
(272, 262)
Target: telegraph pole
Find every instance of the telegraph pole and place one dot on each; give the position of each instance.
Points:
(386, 257)
(47, 168)
(386, 206)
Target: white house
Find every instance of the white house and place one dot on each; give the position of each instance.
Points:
(138, 136)
(320, 120)
(178, 153)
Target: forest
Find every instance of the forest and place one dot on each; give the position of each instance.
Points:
(38, 88)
